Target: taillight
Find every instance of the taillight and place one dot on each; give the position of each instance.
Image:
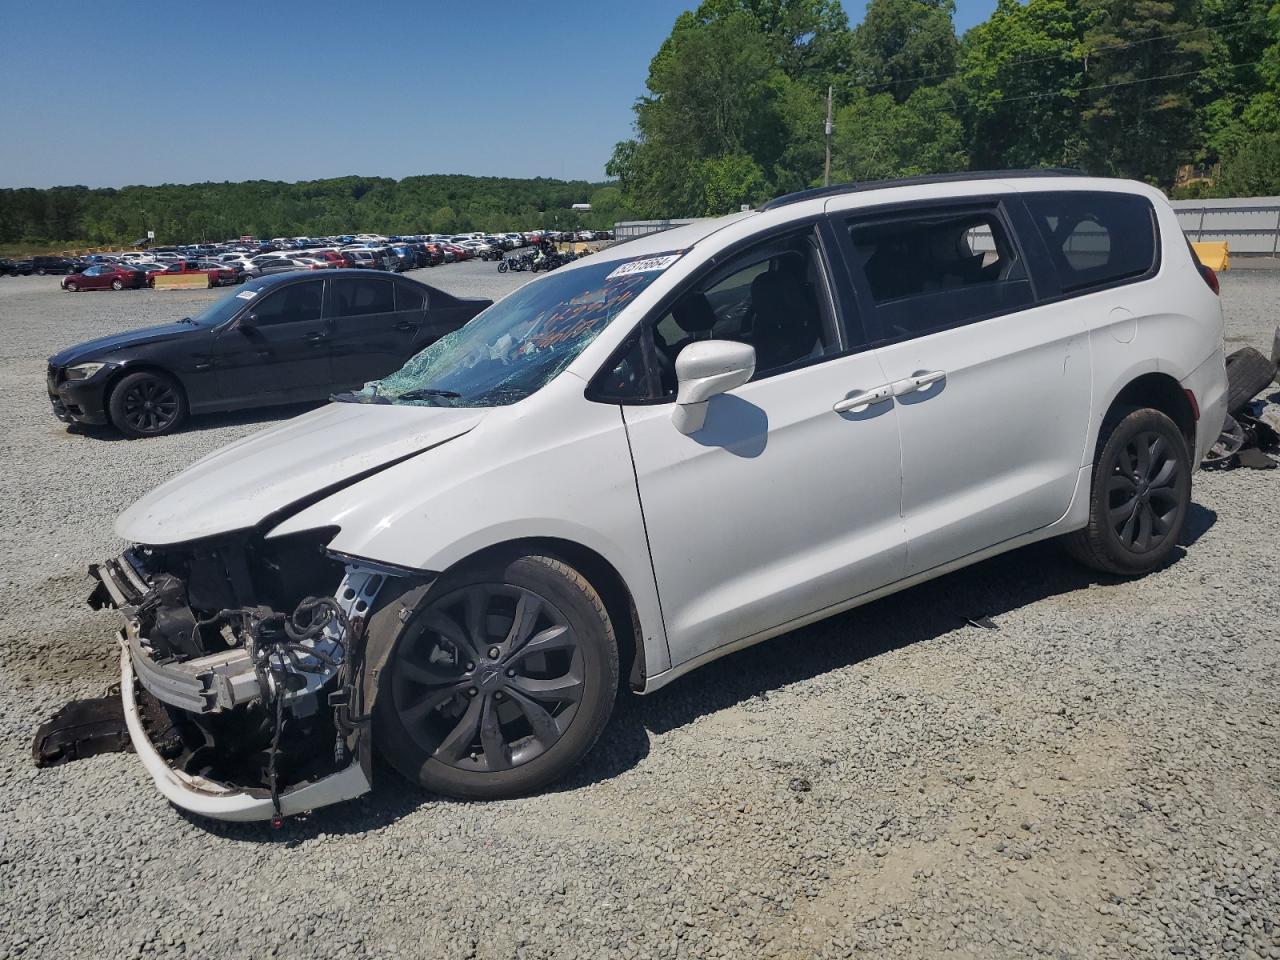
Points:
(1210, 277)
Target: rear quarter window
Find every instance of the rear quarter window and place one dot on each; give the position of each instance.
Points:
(1096, 239)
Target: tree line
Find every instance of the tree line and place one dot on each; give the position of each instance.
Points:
(736, 98)
(189, 213)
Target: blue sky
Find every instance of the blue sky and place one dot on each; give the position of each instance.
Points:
(179, 93)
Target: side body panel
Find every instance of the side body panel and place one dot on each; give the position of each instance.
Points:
(553, 466)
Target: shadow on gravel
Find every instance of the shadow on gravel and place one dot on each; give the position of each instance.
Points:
(203, 421)
(925, 612)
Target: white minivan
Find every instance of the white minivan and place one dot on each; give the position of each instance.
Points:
(655, 456)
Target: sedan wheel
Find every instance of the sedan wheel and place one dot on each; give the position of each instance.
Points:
(500, 680)
(72, 287)
(147, 404)
(117, 284)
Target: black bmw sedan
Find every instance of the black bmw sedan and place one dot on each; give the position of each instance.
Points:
(287, 338)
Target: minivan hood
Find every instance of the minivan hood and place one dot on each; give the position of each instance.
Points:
(263, 475)
(103, 347)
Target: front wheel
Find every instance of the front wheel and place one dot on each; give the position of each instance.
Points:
(501, 679)
(147, 404)
(1139, 498)
(502, 266)
(72, 287)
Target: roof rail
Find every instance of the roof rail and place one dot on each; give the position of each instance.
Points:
(840, 188)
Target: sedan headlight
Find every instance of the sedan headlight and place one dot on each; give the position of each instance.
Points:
(83, 371)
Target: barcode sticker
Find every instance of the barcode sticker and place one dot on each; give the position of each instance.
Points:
(647, 265)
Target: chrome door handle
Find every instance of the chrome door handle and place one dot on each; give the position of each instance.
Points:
(863, 400)
(918, 381)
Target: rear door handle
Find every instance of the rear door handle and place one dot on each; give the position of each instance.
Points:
(917, 381)
(860, 401)
(406, 325)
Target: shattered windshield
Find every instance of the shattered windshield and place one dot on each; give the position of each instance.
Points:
(520, 343)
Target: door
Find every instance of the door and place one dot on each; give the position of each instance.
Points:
(372, 335)
(280, 351)
(992, 390)
(780, 506)
(93, 278)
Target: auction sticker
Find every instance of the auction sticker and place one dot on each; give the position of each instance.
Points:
(647, 265)
(247, 294)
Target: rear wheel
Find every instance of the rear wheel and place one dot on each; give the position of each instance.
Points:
(147, 404)
(1139, 497)
(501, 679)
(117, 284)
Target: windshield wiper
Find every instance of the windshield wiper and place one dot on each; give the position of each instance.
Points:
(429, 393)
(349, 397)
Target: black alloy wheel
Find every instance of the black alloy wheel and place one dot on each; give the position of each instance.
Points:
(1140, 495)
(500, 680)
(147, 404)
(1142, 492)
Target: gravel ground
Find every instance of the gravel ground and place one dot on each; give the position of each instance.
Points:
(1096, 778)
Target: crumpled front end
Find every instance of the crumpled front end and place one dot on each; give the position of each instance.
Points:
(241, 667)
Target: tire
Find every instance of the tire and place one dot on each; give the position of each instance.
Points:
(1248, 373)
(1139, 495)
(502, 266)
(117, 284)
(474, 733)
(147, 404)
(72, 287)
(40, 272)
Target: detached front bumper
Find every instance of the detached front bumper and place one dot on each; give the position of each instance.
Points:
(173, 692)
(212, 799)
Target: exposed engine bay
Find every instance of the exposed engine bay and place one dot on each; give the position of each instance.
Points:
(245, 655)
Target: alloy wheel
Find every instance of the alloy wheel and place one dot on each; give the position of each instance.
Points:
(488, 677)
(151, 405)
(1143, 492)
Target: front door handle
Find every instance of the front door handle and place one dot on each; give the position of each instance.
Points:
(860, 401)
(917, 381)
(406, 325)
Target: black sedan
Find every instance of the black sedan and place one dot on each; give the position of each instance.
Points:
(287, 338)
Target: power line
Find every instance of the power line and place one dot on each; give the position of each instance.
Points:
(1072, 56)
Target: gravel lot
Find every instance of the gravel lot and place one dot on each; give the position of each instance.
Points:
(1099, 777)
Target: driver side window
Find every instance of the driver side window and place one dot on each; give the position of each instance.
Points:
(773, 296)
(296, 303)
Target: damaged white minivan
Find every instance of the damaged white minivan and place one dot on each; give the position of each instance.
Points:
(669, 450)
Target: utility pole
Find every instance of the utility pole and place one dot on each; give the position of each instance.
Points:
(826, 168)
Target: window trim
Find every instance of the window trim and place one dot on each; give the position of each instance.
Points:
(837, 299)
(1050, 268)
(996, 204)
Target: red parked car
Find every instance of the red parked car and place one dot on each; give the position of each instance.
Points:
(332, 256)
(104, 276)
(218, 276)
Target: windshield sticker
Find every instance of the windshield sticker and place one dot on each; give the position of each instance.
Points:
(247, 294)
(647, 265)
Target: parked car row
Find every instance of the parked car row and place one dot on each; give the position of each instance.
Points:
(238, 260)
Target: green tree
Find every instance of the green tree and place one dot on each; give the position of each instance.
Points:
(877, 138)
(902, 41)
(1139, 116)
(1020, 76)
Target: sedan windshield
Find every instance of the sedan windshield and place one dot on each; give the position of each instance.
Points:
(519, 344)
(226, 308)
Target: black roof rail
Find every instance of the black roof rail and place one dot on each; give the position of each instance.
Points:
(841, 188)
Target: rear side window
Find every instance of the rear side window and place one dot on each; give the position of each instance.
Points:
(1096, 239)
(359, 298)
(935, 269)
(409, 297)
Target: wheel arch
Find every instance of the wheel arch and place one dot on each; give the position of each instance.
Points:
(601, 574)
(1159, 391)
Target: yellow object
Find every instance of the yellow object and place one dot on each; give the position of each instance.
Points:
(1213, 255)
(182, 281)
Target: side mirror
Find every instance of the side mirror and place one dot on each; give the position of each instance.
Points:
(249, 320)
(703, 370)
